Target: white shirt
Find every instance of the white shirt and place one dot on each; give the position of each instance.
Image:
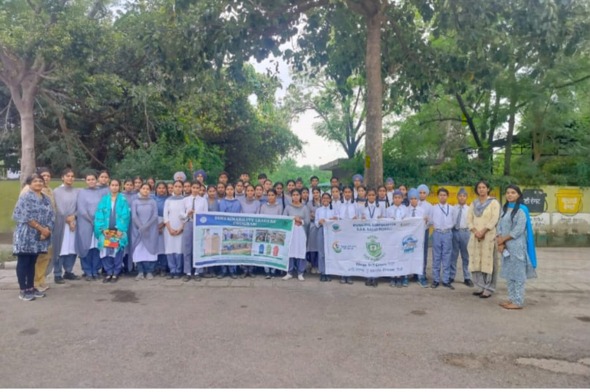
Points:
(324, 213)
(441, 216)
(463, 222)
(373, 211)
(347, 210)
(196, 203)
(396, 212)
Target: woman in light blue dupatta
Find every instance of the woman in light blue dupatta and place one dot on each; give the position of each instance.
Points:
(516, 244)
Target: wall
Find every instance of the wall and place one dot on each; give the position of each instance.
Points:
(560, 214)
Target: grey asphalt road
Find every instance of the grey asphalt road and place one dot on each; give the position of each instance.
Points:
(259, 333)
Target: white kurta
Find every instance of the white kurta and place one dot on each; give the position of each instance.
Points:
(173, 213)
(298, 246)
(68, 244)
(142, 254)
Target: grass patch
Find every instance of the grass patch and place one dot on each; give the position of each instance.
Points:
(9, 191)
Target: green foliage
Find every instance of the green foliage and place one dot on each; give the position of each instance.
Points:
(289, 170)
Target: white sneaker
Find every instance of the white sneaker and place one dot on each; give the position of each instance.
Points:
(140, 276)
(287, 277)
(150, 276)
(300, 277)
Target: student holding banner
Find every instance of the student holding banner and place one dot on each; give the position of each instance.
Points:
(347, 211)
(229, 204)
(271, 207)
(193, 204)
(298, 248)
(397, 211)
(249, 206)
(323, 214)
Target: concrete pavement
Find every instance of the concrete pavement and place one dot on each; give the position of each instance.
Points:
(261, 333)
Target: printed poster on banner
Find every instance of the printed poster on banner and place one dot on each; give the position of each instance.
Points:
(374, 248)
(242, 239)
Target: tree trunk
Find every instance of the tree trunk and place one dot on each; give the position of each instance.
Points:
(27, 134)
(508, 146)
(374, 130)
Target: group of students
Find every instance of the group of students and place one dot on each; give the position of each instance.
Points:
(120, 226)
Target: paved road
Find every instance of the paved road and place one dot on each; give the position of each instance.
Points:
(259, 333)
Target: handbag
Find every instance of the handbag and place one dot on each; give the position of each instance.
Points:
(110, 239)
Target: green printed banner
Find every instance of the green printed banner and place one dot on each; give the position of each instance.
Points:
(242, 239)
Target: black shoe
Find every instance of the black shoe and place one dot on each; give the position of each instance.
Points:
(349, 280)
(468, 283)
(233, 276)
(59, 280)
(477, 293)
(107, 279)
(115, 279)
(451, 281)
(220, 276)
(186, 278)
(448, 286)
(71, 276)
(434, 285)
(343, 280)
(197, 278)
(368, 282)
(327, 278)
(88, 278)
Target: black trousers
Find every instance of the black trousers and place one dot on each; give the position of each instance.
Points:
(25, 270)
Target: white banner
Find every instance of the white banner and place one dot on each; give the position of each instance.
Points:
(374, 248)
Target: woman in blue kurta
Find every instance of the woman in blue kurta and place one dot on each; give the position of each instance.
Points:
(34, 219)
(516, 245)
(112, 214)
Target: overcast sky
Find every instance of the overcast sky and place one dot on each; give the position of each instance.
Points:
(316, 151)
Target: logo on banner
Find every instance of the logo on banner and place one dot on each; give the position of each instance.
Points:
(336, 247)
(203, 219)
(335, 227)
(409, 243)
(373, 247)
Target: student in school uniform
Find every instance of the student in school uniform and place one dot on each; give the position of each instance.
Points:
(220, 191)
(415, 211)
(357, 180)
(240, 193)
(170, 188)
(112, 213)
(245, 177)
(229, 204)
(160, 197)
(348, 210)
(390, 188)
(259, 193)
(249, 206)
(271, 207)
(193, 204)
(200, 176)
(336, 198)
(130, 194)
(397, 211)
(313, 204)
(223, 178)
(423, 193)
(372, 210)
(404, 190)
(323, 214)
(460, 238)
(335, 181)
(280, 195)
(186, 188)
(361, 198)
(261, 178)
(299, 184)
(304, 195)
(297, 249)
(267, 186)
(86, 242)
(137, 183)
(173, 210)
(212, 201)
(152, 183)
(382, 196)
(104, 179)
(313, 182)
(64, 232)
(144, 233)
(290, 184)
(442, 240)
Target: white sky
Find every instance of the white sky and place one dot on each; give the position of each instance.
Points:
(316, 150)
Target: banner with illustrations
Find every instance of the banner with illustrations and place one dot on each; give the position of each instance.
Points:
(241, 239)
(374, 248)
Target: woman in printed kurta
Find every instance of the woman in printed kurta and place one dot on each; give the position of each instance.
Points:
(144, 233)
(482, 217)
(112, 214)
(34, 219)
(516, 245)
